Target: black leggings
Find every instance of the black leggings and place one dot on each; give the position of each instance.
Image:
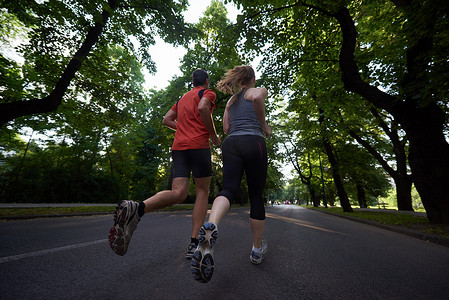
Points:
(245, 153)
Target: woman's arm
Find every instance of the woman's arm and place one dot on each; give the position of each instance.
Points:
(258, 96)
(226, 120)
(226, 123)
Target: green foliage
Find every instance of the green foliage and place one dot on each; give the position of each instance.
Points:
(106, 142)
(55, 30)
(54, 176)
(98, 145)
(300, 45)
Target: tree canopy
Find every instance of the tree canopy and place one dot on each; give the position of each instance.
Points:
(358, 92)
(390, 54)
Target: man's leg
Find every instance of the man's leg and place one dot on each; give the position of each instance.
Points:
(128, 213)
(201, 204)
(177, 194)
(200, 160)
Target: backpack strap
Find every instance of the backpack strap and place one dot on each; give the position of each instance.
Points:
(178, 102)
(200, 94)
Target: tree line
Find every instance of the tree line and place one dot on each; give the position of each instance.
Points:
(358, 92)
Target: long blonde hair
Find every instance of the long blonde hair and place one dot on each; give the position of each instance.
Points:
(235, 79)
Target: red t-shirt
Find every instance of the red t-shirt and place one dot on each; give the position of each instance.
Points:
(190, 130)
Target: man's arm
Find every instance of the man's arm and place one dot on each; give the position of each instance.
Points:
(170, 119)
(204, 107)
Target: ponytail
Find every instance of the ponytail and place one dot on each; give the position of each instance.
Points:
(235, 79)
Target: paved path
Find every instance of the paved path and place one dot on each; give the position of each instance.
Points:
(311, 256)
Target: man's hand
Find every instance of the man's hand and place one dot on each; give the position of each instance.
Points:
(215, 140)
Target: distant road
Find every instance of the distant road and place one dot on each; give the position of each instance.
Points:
(311, 255)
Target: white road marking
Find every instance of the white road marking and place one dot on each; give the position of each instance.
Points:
(53, 250)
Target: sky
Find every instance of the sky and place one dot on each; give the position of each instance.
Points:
(167, 57)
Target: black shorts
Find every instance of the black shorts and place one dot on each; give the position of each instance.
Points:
(197, 161)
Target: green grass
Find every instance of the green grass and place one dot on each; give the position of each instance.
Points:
(44, 211)
(381, 217)
(413, 222)
(55, 211)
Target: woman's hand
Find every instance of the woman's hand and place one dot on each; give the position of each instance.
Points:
(266, 130)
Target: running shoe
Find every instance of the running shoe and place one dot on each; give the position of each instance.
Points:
(257, 256)
(202, 265)
(125, 222)
(190, 250)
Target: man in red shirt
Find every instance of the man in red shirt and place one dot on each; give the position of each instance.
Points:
(191, 117)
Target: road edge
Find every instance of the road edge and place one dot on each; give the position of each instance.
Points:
(416, 234)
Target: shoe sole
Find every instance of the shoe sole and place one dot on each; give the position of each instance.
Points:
(202, 265)
(256, 262)
(116, 235)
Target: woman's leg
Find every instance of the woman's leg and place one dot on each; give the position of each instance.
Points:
(232, 176)
(256, 173)
(257, 228)
(219, 209)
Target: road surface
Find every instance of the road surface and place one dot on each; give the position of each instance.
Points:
(311, 255)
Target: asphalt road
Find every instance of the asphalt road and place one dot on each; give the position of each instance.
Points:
(311, 255)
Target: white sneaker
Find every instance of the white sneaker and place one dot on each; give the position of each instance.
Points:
(202, 265)
(257, 256)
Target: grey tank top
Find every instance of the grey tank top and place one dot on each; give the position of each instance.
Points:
(242, 118)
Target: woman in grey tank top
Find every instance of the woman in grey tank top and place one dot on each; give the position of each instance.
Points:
(244, 151)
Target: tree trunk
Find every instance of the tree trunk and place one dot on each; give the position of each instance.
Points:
(341, 192)
(307, 180)
(361, 196)
(402, 180)
(404, 192)
(315, 199)
(423, 122)
(429, 160)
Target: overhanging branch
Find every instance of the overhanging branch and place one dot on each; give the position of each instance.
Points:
(10, 111)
